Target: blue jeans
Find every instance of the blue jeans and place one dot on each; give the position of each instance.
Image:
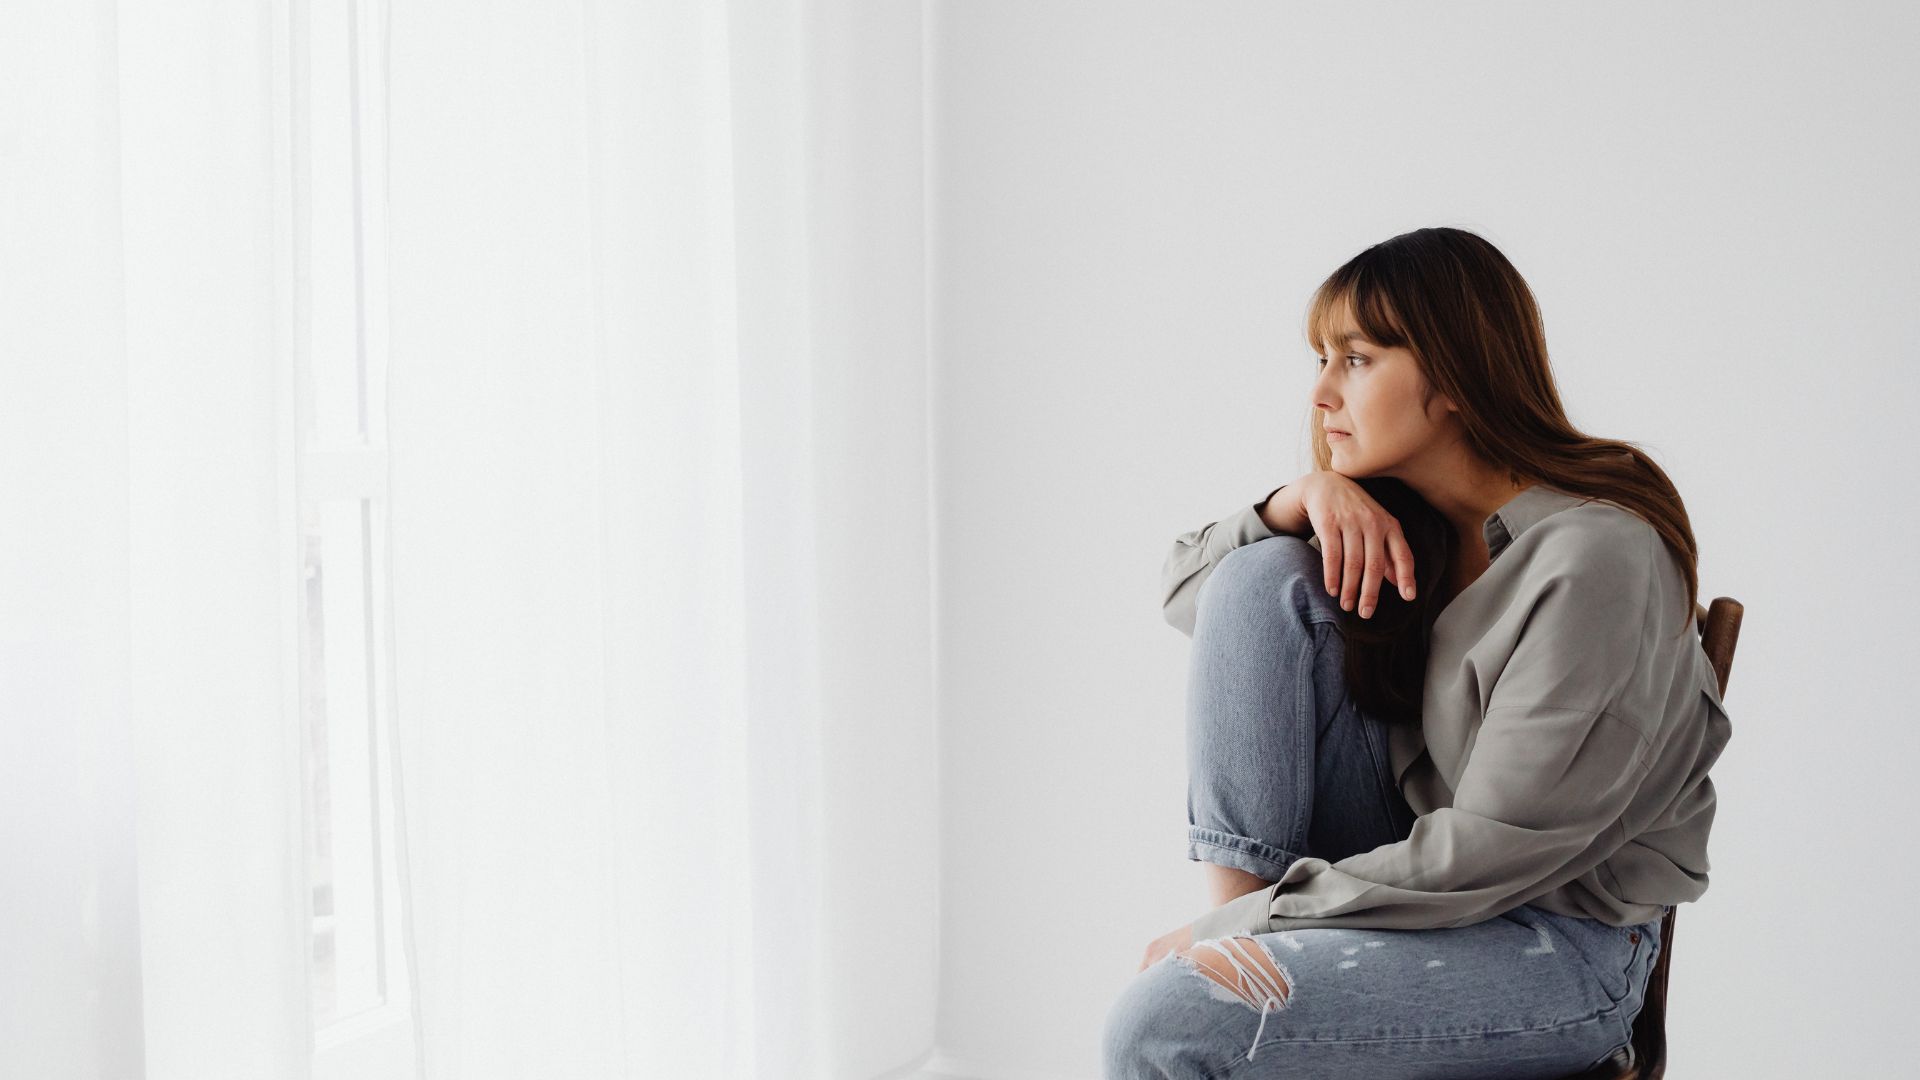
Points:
(1284, 764)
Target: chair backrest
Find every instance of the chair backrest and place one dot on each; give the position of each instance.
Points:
(1719, 627)
(1719, 633)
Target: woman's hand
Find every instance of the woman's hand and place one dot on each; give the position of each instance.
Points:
(1167, 943)
(1360, 543)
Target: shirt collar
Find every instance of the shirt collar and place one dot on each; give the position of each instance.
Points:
(1522, 512)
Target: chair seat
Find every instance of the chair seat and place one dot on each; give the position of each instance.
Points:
(1621, 1066)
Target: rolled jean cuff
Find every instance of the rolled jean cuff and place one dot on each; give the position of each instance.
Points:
(1240, 852)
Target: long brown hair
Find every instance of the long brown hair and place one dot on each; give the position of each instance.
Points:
(1454, 301)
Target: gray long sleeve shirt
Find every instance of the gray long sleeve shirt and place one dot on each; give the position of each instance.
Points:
(1562, 755)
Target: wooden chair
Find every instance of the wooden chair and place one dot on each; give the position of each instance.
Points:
(1645, 1058)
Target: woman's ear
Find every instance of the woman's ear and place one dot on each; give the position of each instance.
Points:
(1444, 402)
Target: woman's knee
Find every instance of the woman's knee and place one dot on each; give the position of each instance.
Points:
(1281, 569)
(1171, 1020)
(1140, 1024)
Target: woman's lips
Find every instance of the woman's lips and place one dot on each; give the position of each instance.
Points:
(1334, 436)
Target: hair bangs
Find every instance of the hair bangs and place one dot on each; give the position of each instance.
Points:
(1352, 301)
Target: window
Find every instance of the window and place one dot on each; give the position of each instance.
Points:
(361, 986)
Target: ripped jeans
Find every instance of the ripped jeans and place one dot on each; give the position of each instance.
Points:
(1283, 765)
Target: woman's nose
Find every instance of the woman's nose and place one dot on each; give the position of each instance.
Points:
(1322, 389)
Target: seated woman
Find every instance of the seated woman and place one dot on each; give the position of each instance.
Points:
(1442, 820)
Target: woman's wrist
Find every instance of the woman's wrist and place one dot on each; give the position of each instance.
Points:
(1281, 511)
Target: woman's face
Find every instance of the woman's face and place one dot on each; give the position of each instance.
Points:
(1373, 394)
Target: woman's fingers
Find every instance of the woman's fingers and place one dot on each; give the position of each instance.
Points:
(1356, 567)
(1330, 560)
(1402, 553)
(1376, 563)
(1356, 559)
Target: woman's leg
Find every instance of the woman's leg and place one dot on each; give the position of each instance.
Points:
(1521, 996)
(1282, 764)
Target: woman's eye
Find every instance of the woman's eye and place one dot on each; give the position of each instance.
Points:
(1362, 359)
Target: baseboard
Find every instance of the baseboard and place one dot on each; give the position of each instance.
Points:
(943, 1066)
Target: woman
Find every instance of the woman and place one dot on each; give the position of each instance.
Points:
(1449, 756)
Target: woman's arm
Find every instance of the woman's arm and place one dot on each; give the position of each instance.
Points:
(1282, 512)
(1196, 553)
(1561, 752)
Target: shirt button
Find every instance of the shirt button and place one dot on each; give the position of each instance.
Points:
(1633, 936)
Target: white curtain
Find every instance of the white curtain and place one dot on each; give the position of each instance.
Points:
(649, 290)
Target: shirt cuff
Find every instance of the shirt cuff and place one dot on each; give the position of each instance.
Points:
(1238, 529)
(1249, 914)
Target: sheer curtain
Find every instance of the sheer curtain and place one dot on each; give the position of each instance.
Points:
(640, 293)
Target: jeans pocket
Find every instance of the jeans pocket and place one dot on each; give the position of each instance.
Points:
(1617, 956)
(1642, 953)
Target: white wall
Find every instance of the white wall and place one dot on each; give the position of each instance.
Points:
(1131, 205)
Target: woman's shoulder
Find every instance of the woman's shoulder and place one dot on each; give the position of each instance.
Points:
(1594, 538)
(1597, 521)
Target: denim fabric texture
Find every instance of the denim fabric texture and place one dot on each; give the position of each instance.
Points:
(1284, 765)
